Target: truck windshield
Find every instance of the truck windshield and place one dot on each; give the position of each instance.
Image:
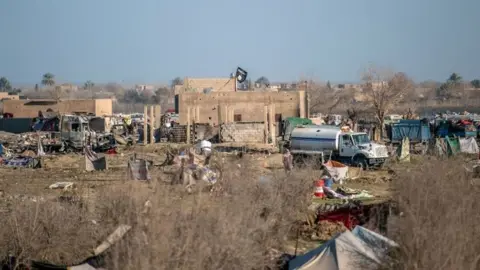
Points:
(361, 139)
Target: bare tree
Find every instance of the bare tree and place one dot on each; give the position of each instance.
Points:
(324, 99)
(354, 107)
(385, 90)
(57, 93)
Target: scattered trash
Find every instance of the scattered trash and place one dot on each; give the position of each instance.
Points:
(138, 170)
(93, 162)
(62, 185)
(112, 239)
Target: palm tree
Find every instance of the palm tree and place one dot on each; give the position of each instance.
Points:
(48, 79)
(88, 85)
(5, 85)
(454, 79)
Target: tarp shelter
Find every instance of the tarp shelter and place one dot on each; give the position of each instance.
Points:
(373, 239)
(468, 145)
(343, 252)
(348, 250)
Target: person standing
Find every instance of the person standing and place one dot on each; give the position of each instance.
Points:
(287, 161)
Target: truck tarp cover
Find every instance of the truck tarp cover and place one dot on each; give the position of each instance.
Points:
(414, 130)
(291, 123)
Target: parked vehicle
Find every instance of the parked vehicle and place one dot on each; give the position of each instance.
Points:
(351, 148)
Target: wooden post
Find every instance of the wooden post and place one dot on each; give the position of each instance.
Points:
(308, 105)
(225, 110)
(232, 115)
(158, 116)
(145, 126)
(197, 113)
(265, 123)
(273, 131)
(301, 103)
(152, 125)
(220, 118)
(188, 124)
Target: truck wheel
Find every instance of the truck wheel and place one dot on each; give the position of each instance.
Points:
(361, 162)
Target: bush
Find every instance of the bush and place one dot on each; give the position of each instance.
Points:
(234, 228)
(438, 227)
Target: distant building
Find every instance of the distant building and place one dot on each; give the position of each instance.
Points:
(68, 87)
(30, 108)
(144, 87)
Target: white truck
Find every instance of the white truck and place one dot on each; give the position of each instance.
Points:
(351, 148)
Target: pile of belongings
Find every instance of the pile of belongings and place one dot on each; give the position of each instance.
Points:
(346, 193)
(21, 162)
(345, 251)
(195, 167)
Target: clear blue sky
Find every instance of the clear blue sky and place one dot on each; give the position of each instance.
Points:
(156, 40)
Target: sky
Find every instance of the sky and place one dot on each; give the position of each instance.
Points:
(154, 41)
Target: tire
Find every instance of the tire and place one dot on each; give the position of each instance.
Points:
(361, 162)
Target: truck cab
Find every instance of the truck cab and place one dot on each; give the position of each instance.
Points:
(355, 148)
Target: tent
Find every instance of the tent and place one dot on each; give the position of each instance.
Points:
(373, 239)
(345, 251)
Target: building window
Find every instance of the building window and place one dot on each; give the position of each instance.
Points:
(237, 118)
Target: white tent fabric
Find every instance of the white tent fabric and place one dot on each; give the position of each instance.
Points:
(373, 239)
(345, 251)
(468, 145)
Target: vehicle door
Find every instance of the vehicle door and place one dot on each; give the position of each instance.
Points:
(347, 148)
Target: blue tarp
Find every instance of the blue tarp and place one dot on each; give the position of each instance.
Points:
(414, 130)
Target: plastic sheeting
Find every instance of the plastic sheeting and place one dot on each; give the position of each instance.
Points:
(404, 150)
(468, 145)
(93, 162)
(345, 251)
(138, 170)
(338, 171)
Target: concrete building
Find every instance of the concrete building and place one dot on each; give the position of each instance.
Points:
(202, 85)
(244, 106)
(5, 96)
(30, 108)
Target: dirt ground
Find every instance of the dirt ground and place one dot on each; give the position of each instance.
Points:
(32, 184)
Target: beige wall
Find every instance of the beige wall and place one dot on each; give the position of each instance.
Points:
(198, 84)
(19, 109)
(6, 95)
(250, 105)
(103, 107)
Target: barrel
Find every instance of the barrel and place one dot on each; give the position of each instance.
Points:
(319, 188)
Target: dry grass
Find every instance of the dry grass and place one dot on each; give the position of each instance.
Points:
(235, 228)
(438, 228)
(238, 225)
